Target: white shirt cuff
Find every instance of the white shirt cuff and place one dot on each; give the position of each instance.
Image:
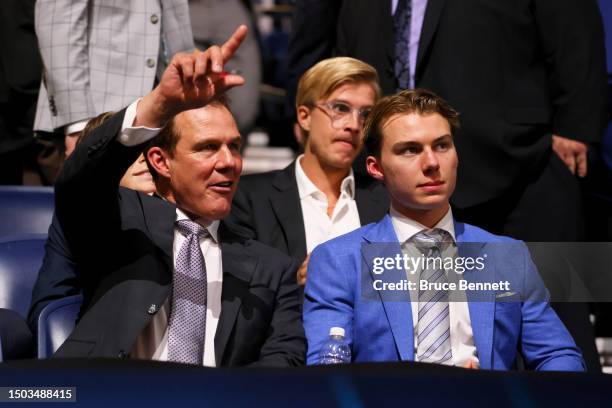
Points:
(132, 136)
(75, 127)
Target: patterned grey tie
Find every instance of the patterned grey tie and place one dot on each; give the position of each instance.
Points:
(401, 25)
(433, 326)
(187, 325)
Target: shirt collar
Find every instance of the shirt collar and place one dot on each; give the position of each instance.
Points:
(306, 187)
(212, 227)
(406, 228)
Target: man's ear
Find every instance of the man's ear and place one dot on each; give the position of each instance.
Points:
(303, 117)
(158, 159)
(374, 168)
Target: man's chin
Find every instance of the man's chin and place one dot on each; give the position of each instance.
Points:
(341, 162)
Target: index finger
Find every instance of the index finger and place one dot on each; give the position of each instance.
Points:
(581, 161)
(229, 48)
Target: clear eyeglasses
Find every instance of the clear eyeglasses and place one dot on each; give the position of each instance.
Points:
(341, 113)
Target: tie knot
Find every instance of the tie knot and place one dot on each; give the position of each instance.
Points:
(188, 227)
(427, 240)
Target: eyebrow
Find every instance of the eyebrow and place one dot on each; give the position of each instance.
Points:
(404, 143)
(348, 103)
(218, 140)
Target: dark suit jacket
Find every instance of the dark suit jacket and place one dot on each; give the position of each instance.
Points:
(267, 208)
(517, 71)
(57, 276)
(20, 72)
(123, 246)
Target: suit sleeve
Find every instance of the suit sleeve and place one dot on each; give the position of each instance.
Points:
(285, 344)
(57, 277)
(328, 299)
(545, 343)
(62, 30)
(312, 39)
(86, 198)
(572, 38)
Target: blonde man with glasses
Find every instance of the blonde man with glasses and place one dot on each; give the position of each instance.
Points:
(317, 197)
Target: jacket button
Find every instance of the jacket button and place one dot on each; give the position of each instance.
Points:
(150, 62)
(154, 18)
(122, 354)
(52, 106)
(152, 309)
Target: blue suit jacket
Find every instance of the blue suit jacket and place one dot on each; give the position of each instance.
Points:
(378, 324)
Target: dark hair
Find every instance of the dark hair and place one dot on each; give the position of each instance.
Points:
(168, 136)
(92, 124)
(421, 101)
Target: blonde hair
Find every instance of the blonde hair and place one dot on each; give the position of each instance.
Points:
(326, 76)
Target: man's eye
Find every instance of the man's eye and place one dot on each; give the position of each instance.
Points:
(209, 146)
(411, 150)
(341, 108)
(443, 146)
(364, 113)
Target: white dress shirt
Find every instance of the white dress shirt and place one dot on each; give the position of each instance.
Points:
(320, 227)
(461, 334)
(152, 343)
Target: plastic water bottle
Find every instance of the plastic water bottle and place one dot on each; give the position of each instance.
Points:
(335, 350)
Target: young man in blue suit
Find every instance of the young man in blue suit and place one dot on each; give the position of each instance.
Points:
(409, 137)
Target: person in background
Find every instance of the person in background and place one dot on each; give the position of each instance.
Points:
(20, 69)
(211, 22)
(99, 55)
(318, 196)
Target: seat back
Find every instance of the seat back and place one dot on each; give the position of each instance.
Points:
(20, 259)
(25, 209)
(56, 322)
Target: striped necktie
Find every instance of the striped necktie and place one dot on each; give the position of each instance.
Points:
(433, 326)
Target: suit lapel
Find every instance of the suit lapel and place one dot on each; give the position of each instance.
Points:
(397, 305)
(288, 210)
(159, 215)
(481, 304)
(238, 268)
(430, 25)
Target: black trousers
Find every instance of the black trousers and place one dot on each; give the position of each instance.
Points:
(545, 206)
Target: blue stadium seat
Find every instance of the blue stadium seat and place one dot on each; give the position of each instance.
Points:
(20, 259)
(55, 323)
(25, 210)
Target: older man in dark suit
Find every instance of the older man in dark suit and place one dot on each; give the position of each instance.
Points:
(163, 281)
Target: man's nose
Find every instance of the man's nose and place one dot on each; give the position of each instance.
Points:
(226, 158)
(430, 160)
(352, 121)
